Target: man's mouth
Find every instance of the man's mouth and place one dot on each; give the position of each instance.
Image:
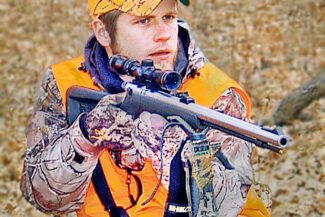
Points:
(161, 54)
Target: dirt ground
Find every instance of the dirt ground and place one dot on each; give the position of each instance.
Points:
(269, 46)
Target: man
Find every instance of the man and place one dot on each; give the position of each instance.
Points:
(108, 163)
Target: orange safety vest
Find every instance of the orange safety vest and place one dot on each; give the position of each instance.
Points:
(205, 89)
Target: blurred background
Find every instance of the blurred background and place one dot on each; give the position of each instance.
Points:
(271, 47)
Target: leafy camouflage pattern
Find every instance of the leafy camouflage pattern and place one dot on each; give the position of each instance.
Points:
(133, 7)
(51, 179)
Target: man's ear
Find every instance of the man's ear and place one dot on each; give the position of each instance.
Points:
(101, 34)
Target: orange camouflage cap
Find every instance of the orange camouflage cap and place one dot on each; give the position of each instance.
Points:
(134, 7)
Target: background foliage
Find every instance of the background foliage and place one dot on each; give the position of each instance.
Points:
(269, 46)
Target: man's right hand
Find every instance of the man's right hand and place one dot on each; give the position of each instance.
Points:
(109, 126)
(131, 140)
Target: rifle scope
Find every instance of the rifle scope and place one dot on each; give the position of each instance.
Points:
(145, 73)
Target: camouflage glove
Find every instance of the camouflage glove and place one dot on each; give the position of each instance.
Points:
(132, 141)
(108, 126)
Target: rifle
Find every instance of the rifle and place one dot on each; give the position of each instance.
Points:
(154, 91)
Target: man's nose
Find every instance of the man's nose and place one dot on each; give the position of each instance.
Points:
(162, 32)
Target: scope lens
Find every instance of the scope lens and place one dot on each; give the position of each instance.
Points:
(171, 81)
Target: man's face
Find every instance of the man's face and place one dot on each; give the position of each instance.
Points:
(151, 37)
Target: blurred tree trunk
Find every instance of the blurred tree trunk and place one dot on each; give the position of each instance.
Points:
(292, 105)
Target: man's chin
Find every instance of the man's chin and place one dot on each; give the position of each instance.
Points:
(164, 65)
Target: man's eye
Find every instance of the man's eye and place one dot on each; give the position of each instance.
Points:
(169, 17)
(143, 21)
